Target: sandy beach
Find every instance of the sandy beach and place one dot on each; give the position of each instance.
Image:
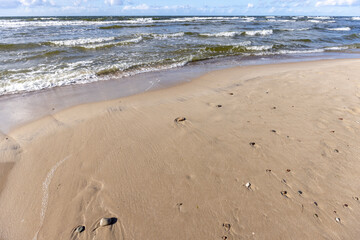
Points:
(255, 152)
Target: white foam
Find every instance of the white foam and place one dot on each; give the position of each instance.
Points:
(248, 19)
(260, 48)
(300, 51)
(355, 18)
(221, 34)
(280, 20)
(339, 29)
(321, 18)
(314, 21)
(336, 48)
(303, 29)
(101, 45)
(168, 35)
(259, 32)
(47, 22)
(82, 41)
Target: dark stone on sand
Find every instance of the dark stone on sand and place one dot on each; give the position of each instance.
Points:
(268, 170)
(341, 119)
(219, 106)
(180, 119)
(300, 192)
(80, 229)
(284, 193)
(288, 170)
(315, 215)
(107, 221)
(316, 204)
(231, 93)
(346, 205)
(335, 150)
(274, 108)
(274, 131)
(252, 144)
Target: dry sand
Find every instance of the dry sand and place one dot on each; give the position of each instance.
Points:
(129, 160)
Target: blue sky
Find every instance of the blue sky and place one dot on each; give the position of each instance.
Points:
(178, 7)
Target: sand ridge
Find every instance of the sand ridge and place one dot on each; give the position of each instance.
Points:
(257, 152)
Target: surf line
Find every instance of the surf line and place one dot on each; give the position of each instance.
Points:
(45, 198)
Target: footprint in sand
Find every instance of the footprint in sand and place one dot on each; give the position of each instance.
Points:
(227, 226)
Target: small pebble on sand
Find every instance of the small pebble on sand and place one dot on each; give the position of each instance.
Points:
(252, 144)
(180, 119)
(337, 219)
(105, 222)
(80, 229)
(248, 185)
(284, 193)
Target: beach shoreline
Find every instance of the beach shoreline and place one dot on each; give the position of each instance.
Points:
(253, 152)
(24, 107)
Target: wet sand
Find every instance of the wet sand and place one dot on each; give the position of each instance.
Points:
(255, 152)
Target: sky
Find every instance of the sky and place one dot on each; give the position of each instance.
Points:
(178, 7)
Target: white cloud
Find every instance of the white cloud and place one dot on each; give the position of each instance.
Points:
(335, 3)
(36, 2)
(137, 7)
(147, 7)
(250, 5)
(113, 2)
(9, 4)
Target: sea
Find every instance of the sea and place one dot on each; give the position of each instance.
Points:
(38, 53)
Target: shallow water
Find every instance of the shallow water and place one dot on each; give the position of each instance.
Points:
(39, 53)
